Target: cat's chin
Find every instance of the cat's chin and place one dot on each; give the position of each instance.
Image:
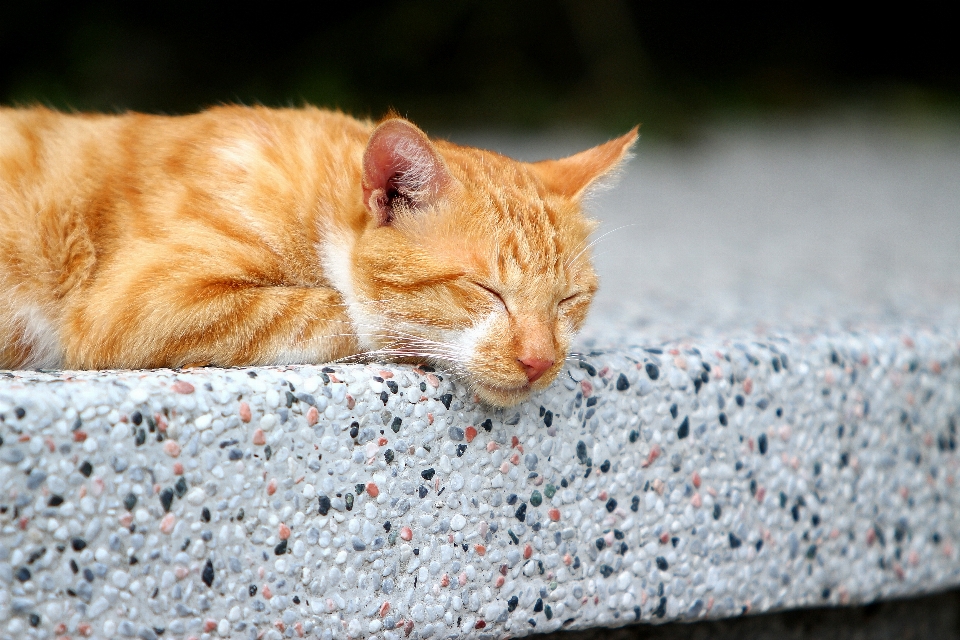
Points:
(502, 396)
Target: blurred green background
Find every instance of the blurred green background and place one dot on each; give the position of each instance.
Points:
(455, 64)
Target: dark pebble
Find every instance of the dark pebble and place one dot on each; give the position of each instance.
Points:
(673, 410)
(354, 432)
(735, 542)
(324, 506)
(538, 606)
(136, 418)
(762, 443)
(23, 574)
(422, 491)
(141, 437)
(86, 468)
(662, 563)
(611, 505)
(739, 400)
(461, 449)
(349, 500)
(130, 501)
(812, 552)
(395, 425)
(605, 466)
(388, 455)
(684, 430)
(446, 399)
(392, 386)
(205, 514)
(548, 418)
(512, 603)
(661, 609)
(716, 511)
(252, 590)
(635, 503)
(55, 501)
(487, 424)
(78, 544)
(166, 498)
(600, 543)
(582, 451)
(20, 412)
(622, 383)
(384, 396)
(653, 371)
(723, 419)
(512, 499)
(427, 474)
(207, 575)
(180, 487)
(34, 620)
(280, 549)
(536, 499)
(521, 512)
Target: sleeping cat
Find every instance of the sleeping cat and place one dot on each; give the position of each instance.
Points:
(255, 236)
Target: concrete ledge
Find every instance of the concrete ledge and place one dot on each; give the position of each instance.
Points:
(682, 481)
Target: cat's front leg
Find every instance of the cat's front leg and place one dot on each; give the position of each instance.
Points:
(216, 323)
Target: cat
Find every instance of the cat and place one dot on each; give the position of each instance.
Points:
(256, 236)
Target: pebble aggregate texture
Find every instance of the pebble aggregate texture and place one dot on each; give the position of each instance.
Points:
(676, 481)
(782, 435)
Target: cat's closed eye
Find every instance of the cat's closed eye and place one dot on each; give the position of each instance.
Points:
(493, 295)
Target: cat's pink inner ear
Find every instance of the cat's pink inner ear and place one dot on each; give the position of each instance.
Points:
(572, 176)
(401, 170)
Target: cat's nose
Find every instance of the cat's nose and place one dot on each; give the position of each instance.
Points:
(535, 367)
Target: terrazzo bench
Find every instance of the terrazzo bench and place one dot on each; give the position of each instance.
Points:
(694, 479)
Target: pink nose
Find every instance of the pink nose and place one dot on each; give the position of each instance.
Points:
(535, 367)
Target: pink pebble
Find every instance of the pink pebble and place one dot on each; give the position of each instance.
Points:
(312, 416)
(172, 448)
(166, 525)
(181, 572)
(284, 532)
(696, 501)
(462, 578)
(258, 437)
(245, 414)
(182, 386)
(406, 533)
(272, 486)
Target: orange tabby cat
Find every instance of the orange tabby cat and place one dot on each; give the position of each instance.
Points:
(243, 236)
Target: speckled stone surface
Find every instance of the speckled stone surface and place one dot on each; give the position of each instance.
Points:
(668, 481)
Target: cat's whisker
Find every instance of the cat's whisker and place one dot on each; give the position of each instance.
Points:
(572, 260)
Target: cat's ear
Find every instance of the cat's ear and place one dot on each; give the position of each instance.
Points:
(401, 170)
(572, 176)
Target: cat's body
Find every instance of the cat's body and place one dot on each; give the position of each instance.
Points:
(242, 236)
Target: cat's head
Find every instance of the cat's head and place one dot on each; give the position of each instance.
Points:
(473, 262)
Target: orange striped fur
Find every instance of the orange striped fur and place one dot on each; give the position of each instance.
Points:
(245, 236)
